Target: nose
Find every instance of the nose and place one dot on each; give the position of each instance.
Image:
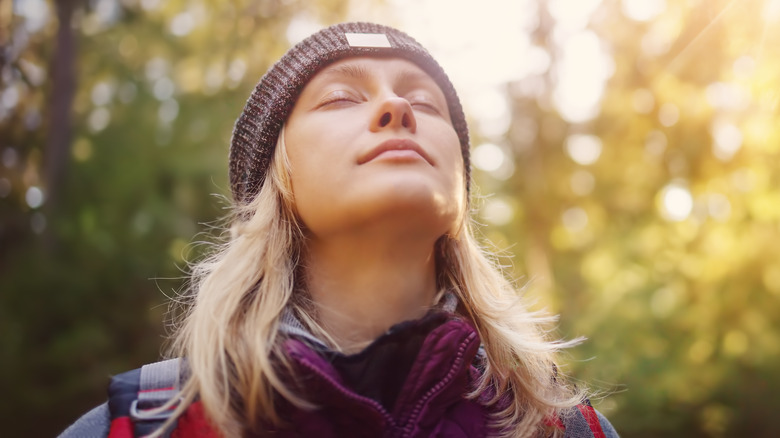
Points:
(394, 113)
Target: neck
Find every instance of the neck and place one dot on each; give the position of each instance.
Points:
(362, 286)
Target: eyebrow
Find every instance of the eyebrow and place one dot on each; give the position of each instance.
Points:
(413, 76)
(359, 72)
(350, 71)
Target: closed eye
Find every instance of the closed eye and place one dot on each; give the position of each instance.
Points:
(338, 98)
(426, 105)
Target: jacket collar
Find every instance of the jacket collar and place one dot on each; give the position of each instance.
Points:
(428, 378)
(292, 327)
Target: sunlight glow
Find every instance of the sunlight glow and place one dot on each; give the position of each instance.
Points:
(301, 26)
(659, 38)
(582, 74)
(496, 211)
(488, 157)
(482, 47)
(479, 47)
(744, 66)
(572, 14)
(575, 219)
(493, 108)
(676, 202)
(727, 140)
(643, 10)
(771, 12)
(583, 149)
(729, 96)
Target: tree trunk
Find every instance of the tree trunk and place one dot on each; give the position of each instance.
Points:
(56, 157)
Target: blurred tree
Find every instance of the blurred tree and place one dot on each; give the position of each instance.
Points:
(646, 205)
(115, 120)
(636, 182)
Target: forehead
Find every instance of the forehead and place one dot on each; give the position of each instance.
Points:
(366, 68)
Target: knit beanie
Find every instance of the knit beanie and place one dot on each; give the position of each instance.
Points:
(257, 128)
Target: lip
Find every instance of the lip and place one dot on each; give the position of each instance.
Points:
(396, 144)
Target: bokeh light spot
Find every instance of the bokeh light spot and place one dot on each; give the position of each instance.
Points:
(98, 119)
(583, 149)
(718, 207)
(582, 182)
(34, 197)
(488, 157)
(668, 114)
(497, 212)
(642, 100)
(575, 219)
(727, 140)
(676, 202)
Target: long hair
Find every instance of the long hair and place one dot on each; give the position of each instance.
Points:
(229, 330)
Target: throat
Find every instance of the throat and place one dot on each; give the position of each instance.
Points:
(359, 294)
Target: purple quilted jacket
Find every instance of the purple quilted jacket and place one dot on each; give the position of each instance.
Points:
(410, 382)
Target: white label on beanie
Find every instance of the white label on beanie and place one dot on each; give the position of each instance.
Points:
(367, 40)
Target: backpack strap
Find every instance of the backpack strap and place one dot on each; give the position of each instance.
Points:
(134, 397)
(587, 411)
(159, 383)
(582, 422)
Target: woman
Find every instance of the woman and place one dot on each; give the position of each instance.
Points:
(351, 298)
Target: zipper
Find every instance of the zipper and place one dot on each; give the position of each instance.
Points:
(366, 401)
(456, 365)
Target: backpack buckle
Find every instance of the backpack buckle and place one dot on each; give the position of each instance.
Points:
(137, 414)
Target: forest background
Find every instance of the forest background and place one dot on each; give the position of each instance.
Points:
(626, 154)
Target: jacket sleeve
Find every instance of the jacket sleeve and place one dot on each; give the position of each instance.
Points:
(93, 424)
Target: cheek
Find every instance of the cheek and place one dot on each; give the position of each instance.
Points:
(315, 178)
(456, 169)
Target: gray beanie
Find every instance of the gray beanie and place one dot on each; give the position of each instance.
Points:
(257, 129)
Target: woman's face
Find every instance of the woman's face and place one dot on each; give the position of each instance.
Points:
(370, 141)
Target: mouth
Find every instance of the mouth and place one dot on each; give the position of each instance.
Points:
(399, 148)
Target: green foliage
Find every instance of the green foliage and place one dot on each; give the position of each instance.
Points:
(681, 307)
(84, 283)
(682, 311)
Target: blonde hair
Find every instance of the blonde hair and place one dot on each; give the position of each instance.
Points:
(229, 331)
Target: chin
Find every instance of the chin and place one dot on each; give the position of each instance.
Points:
(429, 211)
(409, 204)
